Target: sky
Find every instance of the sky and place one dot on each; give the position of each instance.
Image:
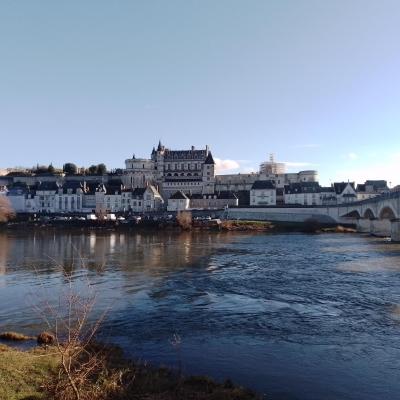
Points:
(317, 83)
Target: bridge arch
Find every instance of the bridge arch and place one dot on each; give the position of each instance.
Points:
(387, 213)
(353, 214)
(368, 213)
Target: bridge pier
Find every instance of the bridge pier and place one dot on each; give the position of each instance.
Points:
(395, 230)
(381, 227)
(363, 225)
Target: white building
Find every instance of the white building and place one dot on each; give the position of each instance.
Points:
(371, 189)
(345, 192)
(140, 200)
(243, 182)
(217, 200)
(304, 193)
(45, 197)
(263, 193)
(21, 198)
(69, 198)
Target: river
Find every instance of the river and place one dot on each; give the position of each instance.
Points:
(292, 316)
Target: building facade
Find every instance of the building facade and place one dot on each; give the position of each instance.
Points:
(190, 171)
(263, 193)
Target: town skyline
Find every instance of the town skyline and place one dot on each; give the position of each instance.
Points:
(225, 166)
(317, 84)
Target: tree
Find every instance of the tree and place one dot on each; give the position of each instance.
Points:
(92, 170)
(41, 169)
(70, 169)
(101, 169)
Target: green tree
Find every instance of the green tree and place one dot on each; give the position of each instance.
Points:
(101, 169)
(92, 170)
(70, 168)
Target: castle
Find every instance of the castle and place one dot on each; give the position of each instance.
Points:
(190, 171)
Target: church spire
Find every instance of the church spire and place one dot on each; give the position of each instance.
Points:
(159, 148)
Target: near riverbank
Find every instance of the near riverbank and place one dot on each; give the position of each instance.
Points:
(33, 374)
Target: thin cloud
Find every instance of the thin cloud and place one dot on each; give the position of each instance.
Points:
(352, 156)
(222, 166)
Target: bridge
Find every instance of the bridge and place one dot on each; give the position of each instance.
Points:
(379, 216)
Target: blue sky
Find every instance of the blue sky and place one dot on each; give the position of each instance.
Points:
(315, 82)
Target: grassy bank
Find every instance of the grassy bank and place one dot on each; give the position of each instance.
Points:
(241, 225)
(33, 374)
(22, 374)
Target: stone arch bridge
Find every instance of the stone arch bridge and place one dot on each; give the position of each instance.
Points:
(379, 216)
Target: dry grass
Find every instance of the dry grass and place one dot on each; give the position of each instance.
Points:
(14, 336)
(232, 225)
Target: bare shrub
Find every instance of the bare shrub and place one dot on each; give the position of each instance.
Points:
(82, 363)
(6, 211)
(184, 219)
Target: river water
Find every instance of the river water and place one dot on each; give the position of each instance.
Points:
(293, 316)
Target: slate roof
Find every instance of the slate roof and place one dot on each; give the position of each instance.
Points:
(327, 189)
(226, 194)
(377, 185)
(185, 155)
(303, 187)
(340, 186)
(259, 185)
(48, 186)
(209, 159)
(179, 195)
(72, 185)
(361, 187)
(139, 192)
(91, 187)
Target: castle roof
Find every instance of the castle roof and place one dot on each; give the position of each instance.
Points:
(193, 154)
(209, 159)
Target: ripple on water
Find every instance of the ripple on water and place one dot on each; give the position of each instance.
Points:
(374, 264)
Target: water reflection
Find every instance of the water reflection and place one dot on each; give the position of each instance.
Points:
(290, 315)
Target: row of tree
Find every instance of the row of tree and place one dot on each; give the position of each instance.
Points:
(71, 169)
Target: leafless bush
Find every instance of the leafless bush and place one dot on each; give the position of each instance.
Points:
(184, 219)
(82, 363)
(6, 211)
